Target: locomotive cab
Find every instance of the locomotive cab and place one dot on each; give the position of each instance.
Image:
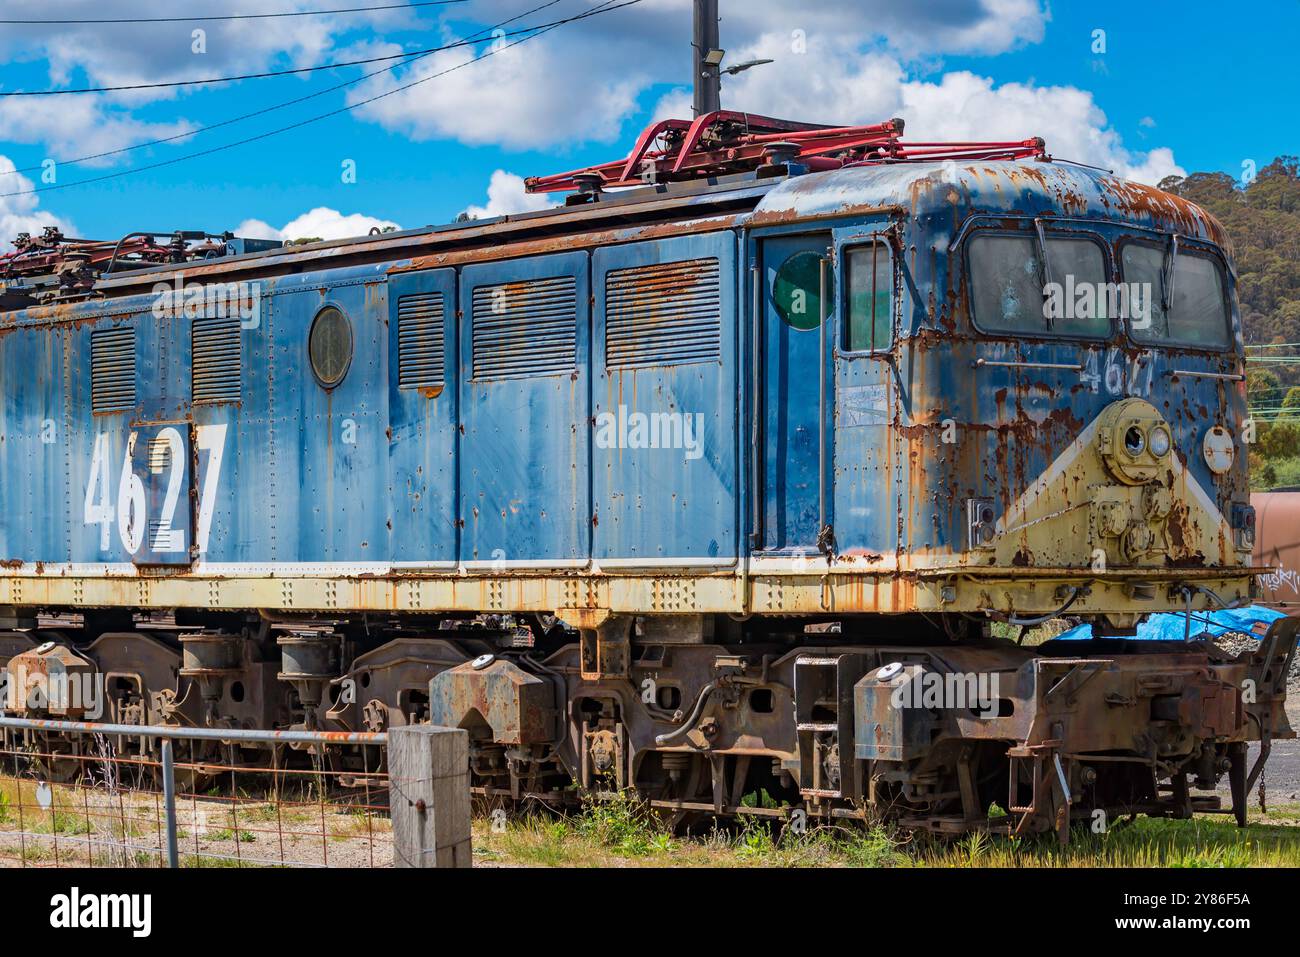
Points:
(1030, 370)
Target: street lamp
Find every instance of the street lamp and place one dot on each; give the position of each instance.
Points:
(708, 57)
(747, 65)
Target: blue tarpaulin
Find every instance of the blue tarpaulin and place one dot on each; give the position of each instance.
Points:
(1172, 627)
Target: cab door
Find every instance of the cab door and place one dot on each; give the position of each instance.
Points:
(795, 288)
(869, 477)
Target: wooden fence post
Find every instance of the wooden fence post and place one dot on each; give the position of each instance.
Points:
(428, 770)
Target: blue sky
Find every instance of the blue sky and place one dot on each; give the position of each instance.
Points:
(1171, 92)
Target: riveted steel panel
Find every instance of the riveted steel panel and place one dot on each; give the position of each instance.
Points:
(329, 444)
(423, 402)
(524, 452)
(665, 417)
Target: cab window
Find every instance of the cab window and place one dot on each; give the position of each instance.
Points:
(870, 325)
(1010, 291)
(1195, 315)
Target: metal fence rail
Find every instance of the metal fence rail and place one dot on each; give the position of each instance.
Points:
(77, 793)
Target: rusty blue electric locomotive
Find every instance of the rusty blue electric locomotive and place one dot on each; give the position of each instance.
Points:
(740, 472)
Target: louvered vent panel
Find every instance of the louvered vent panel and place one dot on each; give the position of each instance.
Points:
(420, 341)
(664, 314)
(215, 359)
(112, 370)
(526, 328)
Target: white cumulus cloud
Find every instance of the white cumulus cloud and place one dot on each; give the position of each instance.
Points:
(582, 83)
(319, 223)
(840, 63)
(836, 87)
(22, 214)
(73, 55)
(519, 97)
(79, 126)
(506, 195)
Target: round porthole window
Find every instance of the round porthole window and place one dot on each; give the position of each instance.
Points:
(796, 291)
(330, 346)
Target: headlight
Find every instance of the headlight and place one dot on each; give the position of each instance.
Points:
(1126, 433)
(1159, 441)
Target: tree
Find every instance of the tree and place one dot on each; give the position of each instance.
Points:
(1263, 224)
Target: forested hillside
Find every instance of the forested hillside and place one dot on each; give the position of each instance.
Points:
(1263, 220)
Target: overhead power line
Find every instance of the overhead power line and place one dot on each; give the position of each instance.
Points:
(408, 55)
(230, 16)
(161, 141)
(598, 10)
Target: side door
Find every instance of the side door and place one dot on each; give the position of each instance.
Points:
(34, 427)
(795, 288)
(135, 478)
(525, 494)
(664, 403)
(422, 404)
(868, 464)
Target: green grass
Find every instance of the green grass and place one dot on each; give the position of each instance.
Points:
(62, 822)
(623, 825)
(227, 834)
(1206, 841)
(623, 833)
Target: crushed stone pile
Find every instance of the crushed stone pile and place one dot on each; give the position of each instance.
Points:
(1235, 642)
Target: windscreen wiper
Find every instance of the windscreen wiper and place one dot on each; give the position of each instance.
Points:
(1046, 270)
(1167, 274)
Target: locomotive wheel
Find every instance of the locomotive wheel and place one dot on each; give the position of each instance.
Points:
(694, 783)
(55, 770)
(188, 780)
(49, 764)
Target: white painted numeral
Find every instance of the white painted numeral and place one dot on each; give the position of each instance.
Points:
(1090, 376)
(166, 538)
(130, 502)
(98, 510)
(130, 513)
(210, 439)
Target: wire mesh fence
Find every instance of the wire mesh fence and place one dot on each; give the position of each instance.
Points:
(76, 795)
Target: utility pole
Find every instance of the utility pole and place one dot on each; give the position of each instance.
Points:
(707, 59)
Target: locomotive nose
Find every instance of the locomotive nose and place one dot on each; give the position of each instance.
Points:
(1116, 496)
